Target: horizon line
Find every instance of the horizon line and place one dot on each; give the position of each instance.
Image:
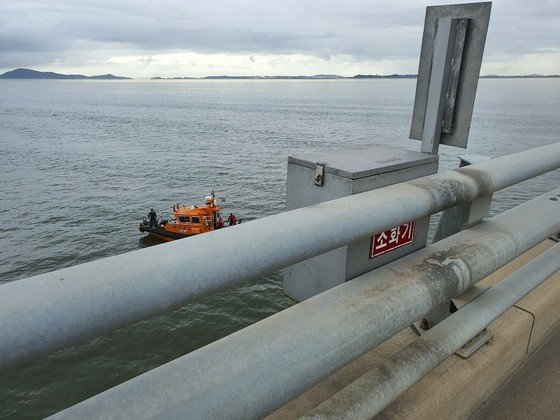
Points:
(256, 77)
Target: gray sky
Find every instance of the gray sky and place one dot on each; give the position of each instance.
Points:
(248, 37)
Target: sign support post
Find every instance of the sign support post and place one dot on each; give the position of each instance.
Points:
(450, 61)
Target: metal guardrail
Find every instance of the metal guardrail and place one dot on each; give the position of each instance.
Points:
(54, 310)
(375, 390)
(250, 373)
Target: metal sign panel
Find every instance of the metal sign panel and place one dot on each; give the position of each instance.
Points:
(460, 86)
(392, 239)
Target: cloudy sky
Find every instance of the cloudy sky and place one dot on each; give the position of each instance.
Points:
(249, 37)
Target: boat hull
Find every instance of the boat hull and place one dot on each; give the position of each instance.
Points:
(161, 233)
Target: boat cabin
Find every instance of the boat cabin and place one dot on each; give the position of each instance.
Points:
(192, 220)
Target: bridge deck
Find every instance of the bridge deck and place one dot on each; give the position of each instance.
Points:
(533, 392)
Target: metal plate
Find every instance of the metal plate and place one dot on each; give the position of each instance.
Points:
(479, 16)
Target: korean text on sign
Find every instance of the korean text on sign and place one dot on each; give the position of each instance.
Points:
(392, 239)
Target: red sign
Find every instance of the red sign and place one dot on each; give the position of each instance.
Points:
(392, 239)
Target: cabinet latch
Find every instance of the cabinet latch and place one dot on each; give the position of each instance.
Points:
(319, 174)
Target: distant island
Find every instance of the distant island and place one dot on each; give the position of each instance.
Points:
(385, 76)
(300, 77)
(34, 74)
(522, 76)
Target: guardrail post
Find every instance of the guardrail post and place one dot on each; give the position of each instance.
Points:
(450, 60)
(463, 216)
(452, 221)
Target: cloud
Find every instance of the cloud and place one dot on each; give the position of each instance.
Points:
(65, 33)
(210, 26)
(145, 61)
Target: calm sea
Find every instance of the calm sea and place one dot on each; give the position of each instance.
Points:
(82, 162)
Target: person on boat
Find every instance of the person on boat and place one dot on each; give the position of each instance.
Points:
(219, 223)
(231, 219)
(153, 218)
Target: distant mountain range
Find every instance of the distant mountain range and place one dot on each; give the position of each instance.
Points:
(33, 74)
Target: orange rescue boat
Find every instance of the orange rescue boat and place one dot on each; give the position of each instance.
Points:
(186, 221)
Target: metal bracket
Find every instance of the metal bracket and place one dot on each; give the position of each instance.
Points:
(440, 103)
(319, 179)
(461, 26)
(443, 311)
(433, 318)
(475, 343)
(482, 337)
(463, 216)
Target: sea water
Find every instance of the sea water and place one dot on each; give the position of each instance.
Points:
(82, 162)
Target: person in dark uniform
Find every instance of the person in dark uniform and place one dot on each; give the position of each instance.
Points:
(153, 218)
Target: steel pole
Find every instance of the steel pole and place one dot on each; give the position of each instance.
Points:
(252, 372)
(54, 310)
